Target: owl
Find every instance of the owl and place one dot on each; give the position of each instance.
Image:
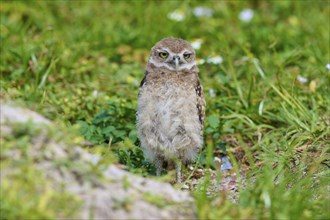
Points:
(171, 106)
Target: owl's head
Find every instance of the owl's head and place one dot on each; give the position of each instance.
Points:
(173, 53)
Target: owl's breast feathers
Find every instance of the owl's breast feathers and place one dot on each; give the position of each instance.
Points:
(198, 89)
(171, 112)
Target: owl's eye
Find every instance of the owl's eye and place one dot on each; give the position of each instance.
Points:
(163, 55)
(186, 55)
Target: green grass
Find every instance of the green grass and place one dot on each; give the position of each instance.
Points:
(55, 56)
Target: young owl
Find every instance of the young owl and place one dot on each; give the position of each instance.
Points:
(171, 106)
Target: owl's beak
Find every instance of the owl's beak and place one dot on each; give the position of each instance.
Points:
(176, 60)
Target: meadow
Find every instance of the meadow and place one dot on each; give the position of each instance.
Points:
(264, 67)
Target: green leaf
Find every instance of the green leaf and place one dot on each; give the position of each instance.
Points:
(213, 121)
(108, 130)
(133, 135)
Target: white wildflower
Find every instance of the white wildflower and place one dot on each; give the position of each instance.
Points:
(217, 159)
(246, 15)
(200, 61)
(196, 44)
(328, 66)
(215, 60)
(302, 79)
(202, 12)
(95, 93)
(136, 83)
(211, 92)
(176, 15)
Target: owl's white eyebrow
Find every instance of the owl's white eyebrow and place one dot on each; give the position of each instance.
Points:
(164, 49)
(186, 51)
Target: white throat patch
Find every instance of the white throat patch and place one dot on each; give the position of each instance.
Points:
(181, 67)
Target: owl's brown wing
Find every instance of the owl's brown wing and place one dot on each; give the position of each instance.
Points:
(200, 103)
(144, 79)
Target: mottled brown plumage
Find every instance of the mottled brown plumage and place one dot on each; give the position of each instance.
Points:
(171, 105)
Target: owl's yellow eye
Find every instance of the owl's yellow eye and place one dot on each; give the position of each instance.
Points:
(163, 55)
(186, 55)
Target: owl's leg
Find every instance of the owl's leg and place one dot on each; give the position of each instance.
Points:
(178, 171)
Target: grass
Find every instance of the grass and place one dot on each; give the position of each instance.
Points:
(81, 62)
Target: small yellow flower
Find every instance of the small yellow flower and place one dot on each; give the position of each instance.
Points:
(312, 86)
(200, 61)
